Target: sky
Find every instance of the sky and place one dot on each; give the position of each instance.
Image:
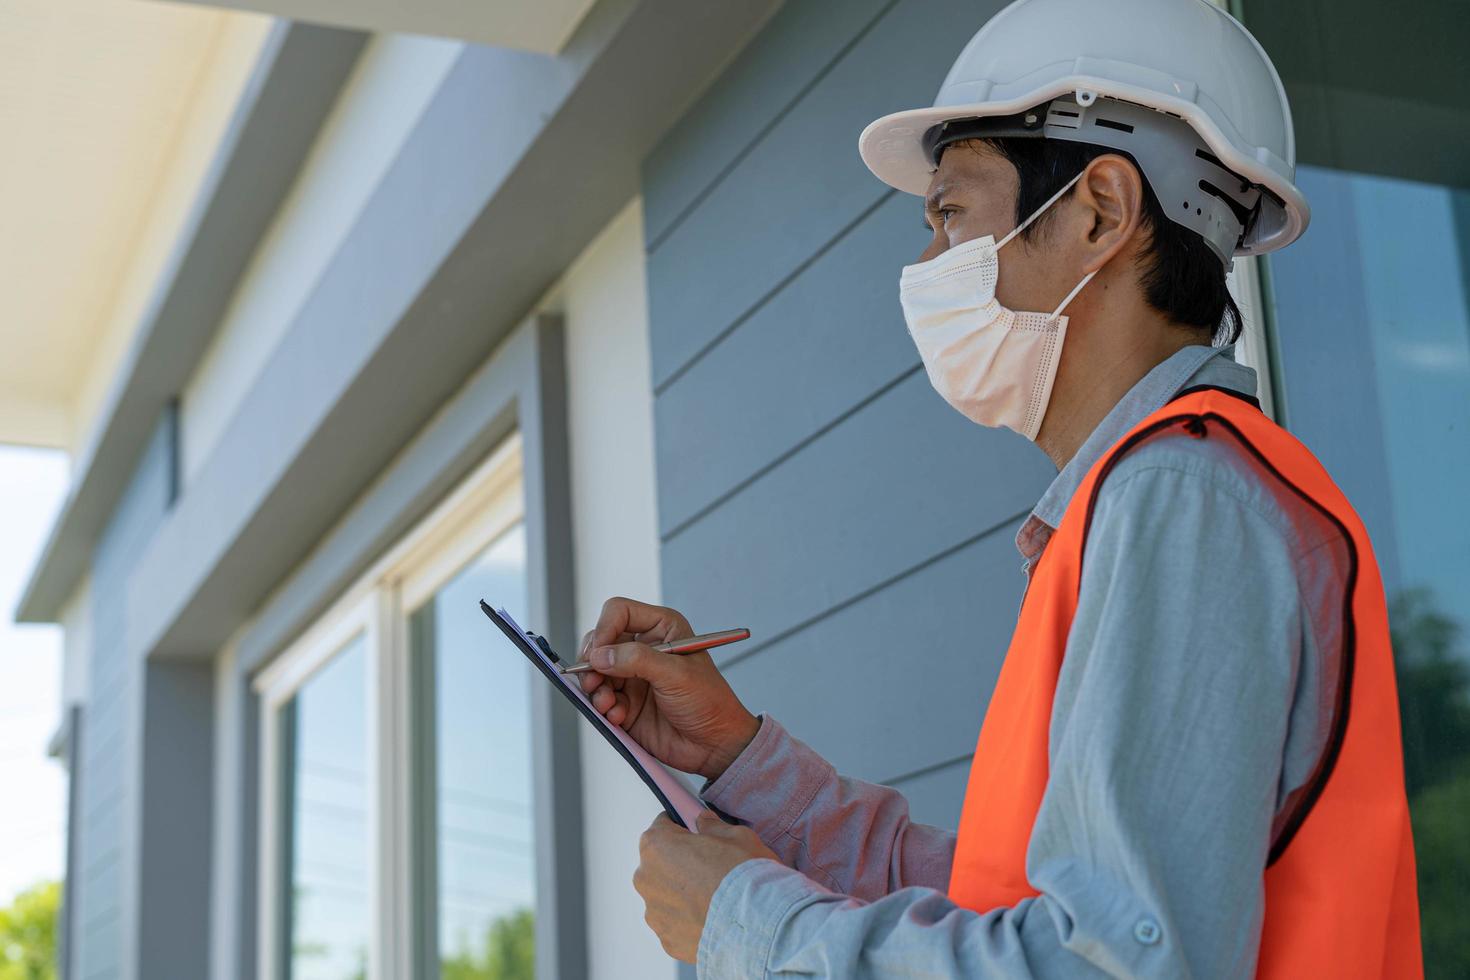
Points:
(32, 786)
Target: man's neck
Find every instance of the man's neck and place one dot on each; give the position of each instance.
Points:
(1094, 375)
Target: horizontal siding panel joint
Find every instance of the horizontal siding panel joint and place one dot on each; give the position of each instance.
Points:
(751, 651)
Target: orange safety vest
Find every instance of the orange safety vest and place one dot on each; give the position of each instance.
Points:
(1340, 892)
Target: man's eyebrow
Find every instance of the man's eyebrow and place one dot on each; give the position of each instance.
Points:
(931, 203)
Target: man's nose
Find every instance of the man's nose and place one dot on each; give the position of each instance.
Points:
(937, 247)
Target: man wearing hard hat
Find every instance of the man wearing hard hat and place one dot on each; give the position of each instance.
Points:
(1190, 765)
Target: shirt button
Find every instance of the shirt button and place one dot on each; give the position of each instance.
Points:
(1147, 931)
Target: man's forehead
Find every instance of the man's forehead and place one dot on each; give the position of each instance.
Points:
(966, 167)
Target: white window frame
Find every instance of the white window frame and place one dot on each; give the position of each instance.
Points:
(1253, 349)
(485, 505)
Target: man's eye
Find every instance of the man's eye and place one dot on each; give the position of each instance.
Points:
(939, 220)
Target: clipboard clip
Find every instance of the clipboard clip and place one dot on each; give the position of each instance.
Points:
(541, 642)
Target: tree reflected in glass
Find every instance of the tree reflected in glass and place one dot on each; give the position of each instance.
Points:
(1434, 700)
(509, 952)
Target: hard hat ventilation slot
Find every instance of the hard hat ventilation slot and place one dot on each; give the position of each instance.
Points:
(1063, 118)
(1209, 157)
(1111, 124)
(1241, 212)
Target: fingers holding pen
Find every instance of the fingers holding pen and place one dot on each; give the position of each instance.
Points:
(621, 662)
(612, 704)
(621, 616)
(590, 641)
(591, 680)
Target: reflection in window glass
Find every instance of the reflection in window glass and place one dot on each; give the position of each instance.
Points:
(326, 850)
(477, 875)
(1375, 356)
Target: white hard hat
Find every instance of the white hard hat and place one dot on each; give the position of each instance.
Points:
(1179, 84)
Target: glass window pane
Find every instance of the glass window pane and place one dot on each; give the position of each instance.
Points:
(1374, 337)
(475, 776)
(326, 848)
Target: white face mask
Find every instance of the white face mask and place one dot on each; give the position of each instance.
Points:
(994, 365)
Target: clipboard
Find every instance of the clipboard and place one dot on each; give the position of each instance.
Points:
(678, 802)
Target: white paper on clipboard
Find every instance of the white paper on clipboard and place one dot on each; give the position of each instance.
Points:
(654, 773)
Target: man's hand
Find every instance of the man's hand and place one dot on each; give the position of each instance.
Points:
(679, 708)
(678, 873)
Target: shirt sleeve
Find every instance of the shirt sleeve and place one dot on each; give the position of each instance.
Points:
(1166, 744)
(853, 837)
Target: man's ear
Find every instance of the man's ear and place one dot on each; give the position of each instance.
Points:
(1111, 189)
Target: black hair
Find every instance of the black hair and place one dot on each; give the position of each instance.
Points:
(1182, 278)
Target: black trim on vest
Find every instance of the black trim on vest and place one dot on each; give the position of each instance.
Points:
(1251, 400)
(1197, 425)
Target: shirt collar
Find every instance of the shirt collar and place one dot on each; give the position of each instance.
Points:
(1190, 366)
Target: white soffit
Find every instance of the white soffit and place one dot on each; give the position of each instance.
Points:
(530, 25)
(111, 112)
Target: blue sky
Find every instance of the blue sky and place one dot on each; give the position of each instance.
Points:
(32, 787)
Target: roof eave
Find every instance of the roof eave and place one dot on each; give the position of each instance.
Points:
(300, 71)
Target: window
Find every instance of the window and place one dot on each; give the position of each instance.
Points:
(1373, 335)
(325, 846)
(477, 884)
(398, 791)
(1376, 371)
(319, 880)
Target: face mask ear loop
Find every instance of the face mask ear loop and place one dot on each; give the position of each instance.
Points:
(1039, 211)
(1075, 290)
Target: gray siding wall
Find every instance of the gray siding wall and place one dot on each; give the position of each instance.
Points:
(812, 486)
(109, 767)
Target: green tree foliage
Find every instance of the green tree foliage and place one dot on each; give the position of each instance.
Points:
(1434, 701)
(1433, 680)
(28, 934)
(510, 952)
(1441, 816)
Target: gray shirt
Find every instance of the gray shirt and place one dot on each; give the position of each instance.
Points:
(1193, 703)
